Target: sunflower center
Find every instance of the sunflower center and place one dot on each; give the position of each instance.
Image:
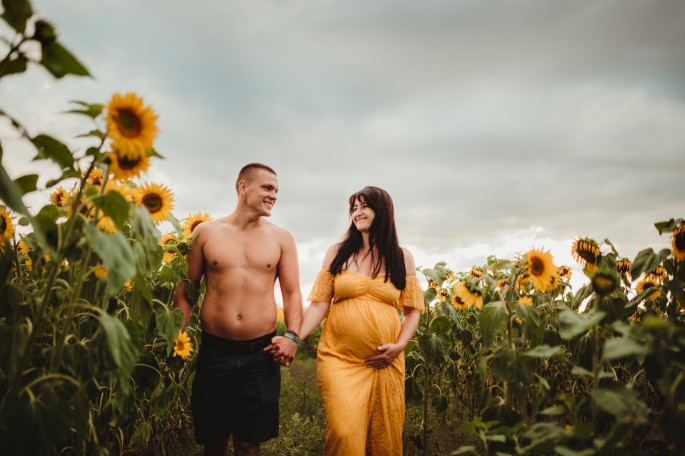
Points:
(152, 202)
(125, 163)
(537, 267)
(129, 123)
(3, 224)
(192, 227)
(680, 241)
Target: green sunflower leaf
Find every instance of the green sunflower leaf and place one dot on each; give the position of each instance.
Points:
(11, 194)
(60, 62)
(619, 347)
(51, 149)
(113, 205)
(17, 13)
(624, 404)
(647, 260)
(572, 324)
(168, 322)
(544, 351)
(122, 349)
(668, 226)
(66, 174)
(91, 110)
(14, 66)
(115, 253)
(491, 321)
(27, 183)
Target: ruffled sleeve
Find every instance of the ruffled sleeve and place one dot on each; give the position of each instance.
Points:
(412, 295)
(322, 290)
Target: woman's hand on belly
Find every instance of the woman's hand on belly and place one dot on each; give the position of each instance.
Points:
(386, 354)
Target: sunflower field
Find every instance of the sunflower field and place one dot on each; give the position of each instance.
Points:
(508, 359)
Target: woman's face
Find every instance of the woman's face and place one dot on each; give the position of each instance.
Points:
(362, 216)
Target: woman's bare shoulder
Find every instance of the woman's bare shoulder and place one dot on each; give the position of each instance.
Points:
(331, 252)
(409, 264)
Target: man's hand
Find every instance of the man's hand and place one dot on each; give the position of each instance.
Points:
(386, 355)
(282, 349)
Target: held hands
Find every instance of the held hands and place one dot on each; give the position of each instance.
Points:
(282, 349)
(386, 355)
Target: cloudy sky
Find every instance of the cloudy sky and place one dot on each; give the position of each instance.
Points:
(496, 126)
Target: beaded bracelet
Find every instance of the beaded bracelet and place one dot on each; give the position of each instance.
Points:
(292, 336)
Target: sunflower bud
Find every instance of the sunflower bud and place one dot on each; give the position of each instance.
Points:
(44, 33)
(604, 282)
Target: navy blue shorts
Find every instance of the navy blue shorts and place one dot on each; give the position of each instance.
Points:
(236, 390)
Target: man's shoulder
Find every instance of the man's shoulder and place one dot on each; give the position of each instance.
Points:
(206, 228)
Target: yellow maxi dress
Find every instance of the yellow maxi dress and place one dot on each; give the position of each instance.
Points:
(364, 406)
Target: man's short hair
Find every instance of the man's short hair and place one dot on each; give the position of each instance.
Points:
(248, 170)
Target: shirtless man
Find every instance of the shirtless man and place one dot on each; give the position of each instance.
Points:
(237, 384)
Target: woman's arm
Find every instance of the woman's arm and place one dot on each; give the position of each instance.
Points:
(410, 322)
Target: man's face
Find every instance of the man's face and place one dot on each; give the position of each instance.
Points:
(261, 192)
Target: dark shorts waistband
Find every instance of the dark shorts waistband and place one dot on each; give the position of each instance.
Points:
(235, 347)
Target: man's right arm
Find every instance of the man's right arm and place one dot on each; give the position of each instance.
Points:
(191, 284)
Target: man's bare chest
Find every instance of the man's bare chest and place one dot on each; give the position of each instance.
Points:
(259, 254)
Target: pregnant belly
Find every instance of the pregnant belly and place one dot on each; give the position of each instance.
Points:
(356, 328)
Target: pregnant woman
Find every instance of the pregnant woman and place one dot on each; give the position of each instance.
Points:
(366, 280)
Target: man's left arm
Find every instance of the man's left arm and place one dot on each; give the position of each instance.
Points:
(289, 280)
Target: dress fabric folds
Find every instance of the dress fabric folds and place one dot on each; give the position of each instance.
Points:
(364, 406)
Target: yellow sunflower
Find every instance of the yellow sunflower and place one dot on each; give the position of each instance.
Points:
(96, 177)
(501, 283)
(526, 301)
(168, 254)
(100, 272)
(522, 280)
(193, 221)
(128, 286)
(648, 283)
(443, 294)
(450, 275)
(658, 274)
(554, 281)
(471, 297)
(131, 125)
(541, 269)
(432, 284)
(6, 226)
(183, 347)
(158, 200)
(280, 315)
(564, 272)
(24, 249)
(678, 242)
(130, 192)
(476, 272)
(623, 266)
(124, 167)
(585, 250)
(106, 224)
(59, 197)
(458, 303)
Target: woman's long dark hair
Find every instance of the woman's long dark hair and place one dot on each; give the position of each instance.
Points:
(382, 236)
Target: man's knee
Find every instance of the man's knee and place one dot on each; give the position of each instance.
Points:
(217, 448)
(245, 448)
